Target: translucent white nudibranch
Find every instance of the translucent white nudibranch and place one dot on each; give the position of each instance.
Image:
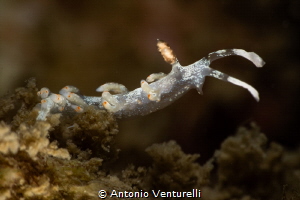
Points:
(77, 108)
(148, 98)
(74, 99)
(110, 102)
(67, 89)
(152, 94)
(47, 104)
(115, 88)
(43, 93)
(155, 76)
(58, 99)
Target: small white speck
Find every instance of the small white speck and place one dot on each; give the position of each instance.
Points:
(221, 51)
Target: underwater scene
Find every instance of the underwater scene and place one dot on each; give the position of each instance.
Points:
(149, 100)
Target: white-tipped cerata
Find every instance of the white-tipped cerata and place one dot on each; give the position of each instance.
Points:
(58, 99)
(69, 88)
(110, 102)
(155, 76)
(115, 88)
(78, 109)
(152, 94)
(74, 99)
(108, 106)
(110, 98)
(43, 93)
(145, 86)
(47, 104)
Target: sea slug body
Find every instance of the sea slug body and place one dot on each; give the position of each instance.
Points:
(156, 92)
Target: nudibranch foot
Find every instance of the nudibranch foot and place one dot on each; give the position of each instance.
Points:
(156, 92)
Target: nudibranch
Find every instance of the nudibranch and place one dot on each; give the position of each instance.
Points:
(156, 92)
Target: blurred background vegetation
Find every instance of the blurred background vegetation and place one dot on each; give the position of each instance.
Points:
(89, 43)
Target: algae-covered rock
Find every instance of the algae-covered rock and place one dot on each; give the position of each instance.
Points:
(172, 169)
(56, 159)
(70, 156)
(249, 166)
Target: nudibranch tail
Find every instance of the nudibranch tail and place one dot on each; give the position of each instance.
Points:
(156, 92)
